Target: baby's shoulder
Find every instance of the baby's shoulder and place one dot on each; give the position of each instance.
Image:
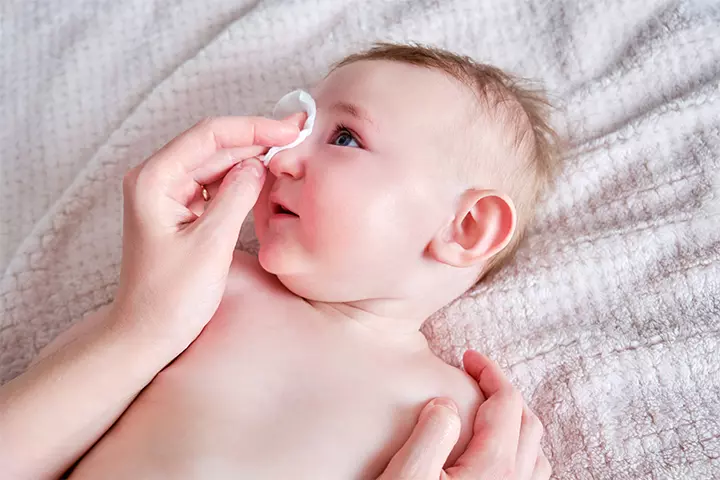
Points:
(455, 383)
(451, 382)
(432, 378)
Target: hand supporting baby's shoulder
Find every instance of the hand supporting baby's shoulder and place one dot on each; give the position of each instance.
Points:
(454, 383)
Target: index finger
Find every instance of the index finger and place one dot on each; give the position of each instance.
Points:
(496, 432)
(196, 144)
(486, 372)
(497, 425)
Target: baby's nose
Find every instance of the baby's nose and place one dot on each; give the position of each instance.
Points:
(289, 162)
(285, 162)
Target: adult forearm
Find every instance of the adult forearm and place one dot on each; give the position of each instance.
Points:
(54, 412)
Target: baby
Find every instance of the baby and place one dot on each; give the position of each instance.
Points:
(420, 177)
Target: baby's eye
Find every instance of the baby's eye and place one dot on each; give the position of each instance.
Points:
(343, 138)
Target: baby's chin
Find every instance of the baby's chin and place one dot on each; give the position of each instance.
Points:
(276, 262)
(300, 287)
(300, 283)
(272, 260)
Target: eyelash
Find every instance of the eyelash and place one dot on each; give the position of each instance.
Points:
(340, 127)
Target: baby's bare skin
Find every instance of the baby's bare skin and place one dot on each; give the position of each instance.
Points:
(374, 220)
(275, 387)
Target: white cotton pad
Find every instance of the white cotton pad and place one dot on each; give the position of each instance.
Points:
(293, 102)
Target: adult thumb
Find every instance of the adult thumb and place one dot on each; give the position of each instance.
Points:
(429, 446)
(238, 192)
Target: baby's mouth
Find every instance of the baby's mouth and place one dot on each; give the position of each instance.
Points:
(279, 209)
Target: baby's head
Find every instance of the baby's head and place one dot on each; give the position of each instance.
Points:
(420, 176)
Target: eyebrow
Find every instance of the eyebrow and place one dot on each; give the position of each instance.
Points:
(353, 110)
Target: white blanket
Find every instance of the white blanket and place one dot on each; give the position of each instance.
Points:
(608, 318)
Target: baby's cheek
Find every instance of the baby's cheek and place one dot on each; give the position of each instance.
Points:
(353, 206)
(261, 211)
(368, 220)
(330, 222)
(333, 231)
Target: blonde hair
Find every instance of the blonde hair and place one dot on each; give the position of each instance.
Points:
(520, 108)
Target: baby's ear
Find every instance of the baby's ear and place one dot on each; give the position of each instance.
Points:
(484, 223)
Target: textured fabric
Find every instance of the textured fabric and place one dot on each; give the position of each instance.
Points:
(607, 319)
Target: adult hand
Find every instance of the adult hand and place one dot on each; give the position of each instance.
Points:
(175, 260)
(505, 443)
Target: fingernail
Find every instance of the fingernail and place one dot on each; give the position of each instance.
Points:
(254, 166)
(444, 402)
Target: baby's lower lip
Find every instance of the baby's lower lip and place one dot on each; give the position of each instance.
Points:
(283, 216)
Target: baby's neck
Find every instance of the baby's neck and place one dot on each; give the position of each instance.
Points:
(393, 321)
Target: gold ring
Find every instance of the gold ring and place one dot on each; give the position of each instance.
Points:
(205, 194)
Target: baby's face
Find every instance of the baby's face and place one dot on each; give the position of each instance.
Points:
(369, 188)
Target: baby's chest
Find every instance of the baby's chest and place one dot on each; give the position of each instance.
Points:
(272, 402)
